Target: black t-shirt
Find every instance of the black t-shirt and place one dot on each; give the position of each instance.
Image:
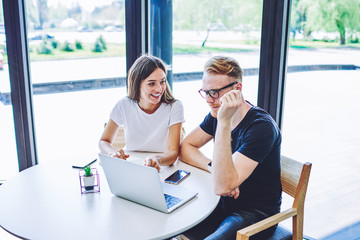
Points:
(258, 137)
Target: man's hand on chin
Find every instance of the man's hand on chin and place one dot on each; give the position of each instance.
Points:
(230, 103)
(234, 193)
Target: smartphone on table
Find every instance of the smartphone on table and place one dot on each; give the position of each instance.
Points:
(177, 177)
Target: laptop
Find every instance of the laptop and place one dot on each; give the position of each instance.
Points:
(142, 185)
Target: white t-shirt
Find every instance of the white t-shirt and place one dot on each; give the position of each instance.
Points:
(146, 132)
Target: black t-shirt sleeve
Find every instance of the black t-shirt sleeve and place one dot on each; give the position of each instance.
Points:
(258, 141)
(209, 125)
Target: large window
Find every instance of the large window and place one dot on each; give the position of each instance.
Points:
(77, 44)
(321, 117)
(202, 29)
(74, 45)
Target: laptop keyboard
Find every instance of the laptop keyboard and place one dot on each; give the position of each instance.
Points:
(171, 200)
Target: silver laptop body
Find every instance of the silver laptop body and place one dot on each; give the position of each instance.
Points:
(141, 184)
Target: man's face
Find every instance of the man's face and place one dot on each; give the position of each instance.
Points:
(216, 81)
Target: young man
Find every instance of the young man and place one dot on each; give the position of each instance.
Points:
(245, 165)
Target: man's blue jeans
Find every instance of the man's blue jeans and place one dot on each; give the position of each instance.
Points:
(223, 224)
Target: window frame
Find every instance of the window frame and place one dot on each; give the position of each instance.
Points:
(272, 70)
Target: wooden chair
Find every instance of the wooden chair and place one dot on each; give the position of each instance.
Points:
(119, 140)
(182, 134)
(294, 180)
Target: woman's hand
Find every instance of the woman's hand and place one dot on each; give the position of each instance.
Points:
(120, 154)
(152, 161)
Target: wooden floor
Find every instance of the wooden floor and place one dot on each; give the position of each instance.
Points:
(322, 126)
(350, 232)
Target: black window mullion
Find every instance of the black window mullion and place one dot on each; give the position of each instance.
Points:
(21, 89)
(137, 29)
(273, 56)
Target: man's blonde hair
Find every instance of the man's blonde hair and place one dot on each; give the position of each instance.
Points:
(224, 65)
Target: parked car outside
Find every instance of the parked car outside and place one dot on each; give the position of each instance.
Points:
(40, 37)
(1, 60)
(118, 28)
(84, 29)
(2, 28)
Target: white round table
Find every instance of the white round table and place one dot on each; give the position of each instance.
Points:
(45, 202)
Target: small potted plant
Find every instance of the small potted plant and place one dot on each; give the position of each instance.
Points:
(89, 178)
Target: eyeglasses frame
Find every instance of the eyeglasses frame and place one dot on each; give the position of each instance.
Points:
(215, 90)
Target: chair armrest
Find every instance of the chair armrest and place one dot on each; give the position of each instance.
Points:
(245, 233)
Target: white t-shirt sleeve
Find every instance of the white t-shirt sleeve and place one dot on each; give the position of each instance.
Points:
(177, 113)
(117, 113)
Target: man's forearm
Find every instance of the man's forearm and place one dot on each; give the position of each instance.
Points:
(193, 156)
(223, 169)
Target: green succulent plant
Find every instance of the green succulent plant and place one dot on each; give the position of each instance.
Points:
(87, 170)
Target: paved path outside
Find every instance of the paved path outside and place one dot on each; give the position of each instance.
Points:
(82, 69)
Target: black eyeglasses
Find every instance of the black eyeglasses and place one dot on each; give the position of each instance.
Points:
(214, 93)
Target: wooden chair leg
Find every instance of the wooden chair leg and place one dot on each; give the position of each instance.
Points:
(180, 237)
(297, 228)
(241, 237)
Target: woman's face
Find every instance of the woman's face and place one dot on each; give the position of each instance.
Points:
(152, 88)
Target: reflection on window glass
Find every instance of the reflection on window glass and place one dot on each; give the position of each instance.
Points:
(8, 160)
(83, 39)
(206, 28)
(76, 47)
(202, 29)
(321, 116)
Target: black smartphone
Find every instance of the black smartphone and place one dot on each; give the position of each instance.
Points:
(177, 176)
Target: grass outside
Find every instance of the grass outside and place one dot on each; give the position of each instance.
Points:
(320, 44)
(116, 50)
(187, 48)
(119, 49)
(250, 42)
(87, 52)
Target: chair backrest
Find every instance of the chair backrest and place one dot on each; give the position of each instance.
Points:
(182, 134)
(294, 179)
(119, 140)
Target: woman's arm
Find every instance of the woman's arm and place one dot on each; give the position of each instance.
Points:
(172, 149)
(107, 138)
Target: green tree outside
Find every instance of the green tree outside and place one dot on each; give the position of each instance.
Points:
(224, 15)
(199, 15)
(43, 12)
(335, 15)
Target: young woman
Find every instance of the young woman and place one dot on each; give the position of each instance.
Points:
(151, 116)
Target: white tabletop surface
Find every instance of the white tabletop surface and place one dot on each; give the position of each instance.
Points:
(45, 202)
